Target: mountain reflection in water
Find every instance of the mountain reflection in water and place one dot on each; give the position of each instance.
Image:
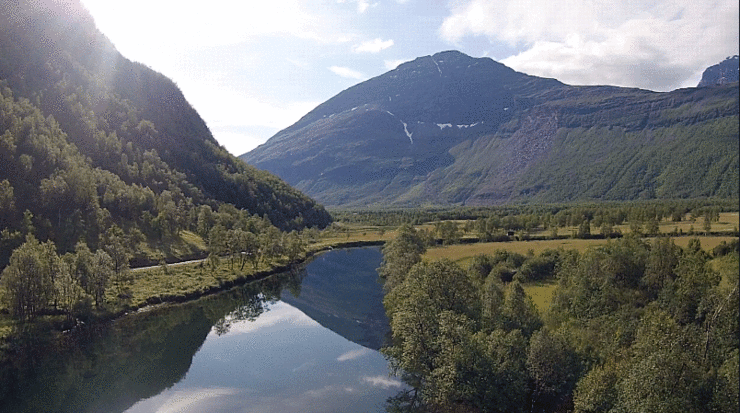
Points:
(242, 350)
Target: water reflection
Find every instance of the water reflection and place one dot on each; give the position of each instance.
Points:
(342, 292)
(242, 350)
(282, 362)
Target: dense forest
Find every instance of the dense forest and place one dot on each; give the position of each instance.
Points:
(634, 326)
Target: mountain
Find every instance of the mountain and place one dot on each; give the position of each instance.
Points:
(722, 73)
(450, 129)
(89, 139)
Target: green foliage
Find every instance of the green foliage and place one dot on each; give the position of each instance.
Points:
(656, 162)
(400, 255)
(663, 374)
(539, 268)
(28, 280)
(554, 367)
(634, 326)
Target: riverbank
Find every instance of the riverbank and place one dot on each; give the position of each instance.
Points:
(175, 282)
(193, 280)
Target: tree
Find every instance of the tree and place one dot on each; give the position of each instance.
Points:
(596, 391)
(272, 244)
(553, 367)
(683, 297)
(519, 311)
(414, 307)
(28, 285)
(663, 373)
(652, 227)
(399, 255)
(707, 222)
(116, 244)
(68, 290)
(492, 301)
(725, 395)
(7, 200)
(102, 269)
(661, 263)
(294, 246)
(448, 231)
(476, 371)
(217, 240)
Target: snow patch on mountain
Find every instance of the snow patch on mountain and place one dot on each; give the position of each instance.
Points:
(436, 64)
(405, 127)
(467, 126)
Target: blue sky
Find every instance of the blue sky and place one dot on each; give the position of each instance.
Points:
(253, 68)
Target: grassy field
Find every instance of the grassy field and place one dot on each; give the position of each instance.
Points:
(541, 292)
(463, 252)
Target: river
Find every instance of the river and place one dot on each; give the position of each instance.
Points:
(296, 342)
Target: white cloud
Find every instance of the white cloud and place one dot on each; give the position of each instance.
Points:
(347, 72)
(362, 5)
(392, 64)
(654, 45)
(353, 354)
(382, 381)
(190, 400)
(372, 46)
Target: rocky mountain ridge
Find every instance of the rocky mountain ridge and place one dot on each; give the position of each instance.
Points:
(722, 73)
(450, 129)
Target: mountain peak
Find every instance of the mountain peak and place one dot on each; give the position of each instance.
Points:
(722, 73)
(450, 59)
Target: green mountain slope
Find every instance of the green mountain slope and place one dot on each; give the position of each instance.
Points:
(449, 129)
(89, 139)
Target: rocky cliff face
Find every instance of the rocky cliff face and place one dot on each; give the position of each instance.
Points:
(722, 73)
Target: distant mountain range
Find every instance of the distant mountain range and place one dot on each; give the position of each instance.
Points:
(450, 129)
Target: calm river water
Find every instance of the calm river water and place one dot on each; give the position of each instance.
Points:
(301, 342)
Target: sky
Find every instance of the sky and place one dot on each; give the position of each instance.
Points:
(253, 68)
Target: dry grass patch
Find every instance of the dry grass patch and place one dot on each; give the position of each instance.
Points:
(461, 252)
(541, 294)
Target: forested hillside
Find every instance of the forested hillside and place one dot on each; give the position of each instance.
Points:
(90, 140)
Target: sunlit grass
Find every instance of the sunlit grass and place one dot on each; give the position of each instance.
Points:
(185, 244)
(461, 252)
(541, 294)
